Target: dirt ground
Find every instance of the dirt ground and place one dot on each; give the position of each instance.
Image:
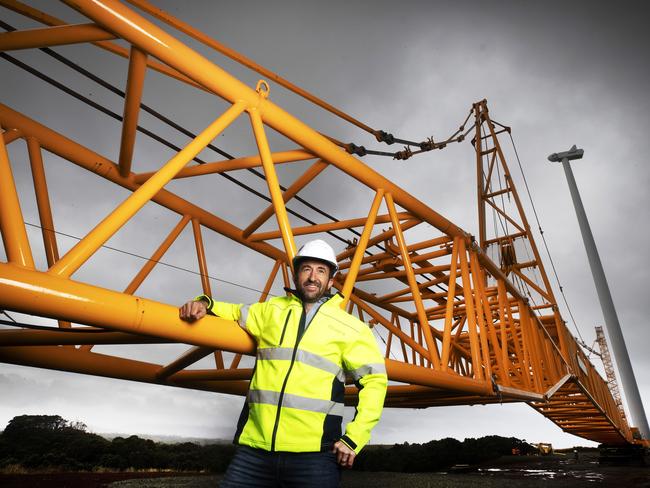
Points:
(508, 472)
(88, 480)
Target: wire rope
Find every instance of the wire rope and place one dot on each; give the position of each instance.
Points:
(541, 231)
(129, 253)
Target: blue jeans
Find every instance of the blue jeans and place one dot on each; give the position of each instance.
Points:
(256, 468)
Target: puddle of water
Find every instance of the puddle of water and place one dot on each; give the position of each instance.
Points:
(543, 473)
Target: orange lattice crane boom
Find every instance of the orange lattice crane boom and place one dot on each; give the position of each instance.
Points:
(464, 321)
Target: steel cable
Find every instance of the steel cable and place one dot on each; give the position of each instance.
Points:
(548, 252)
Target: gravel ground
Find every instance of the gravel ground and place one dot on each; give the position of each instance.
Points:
(433, 480)
(511, 472)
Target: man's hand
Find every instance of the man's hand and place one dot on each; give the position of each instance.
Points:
(193, 310)
(344, 455)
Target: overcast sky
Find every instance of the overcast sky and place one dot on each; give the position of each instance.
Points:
(558, 73)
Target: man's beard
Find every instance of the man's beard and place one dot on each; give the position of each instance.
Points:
(311, 296)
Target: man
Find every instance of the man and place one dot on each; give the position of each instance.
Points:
(289, 431)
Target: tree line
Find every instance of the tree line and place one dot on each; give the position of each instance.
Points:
(51, 442)
(439, 454)
(43, 442)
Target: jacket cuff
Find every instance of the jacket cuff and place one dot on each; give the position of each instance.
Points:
(209, 302)
(349, 442)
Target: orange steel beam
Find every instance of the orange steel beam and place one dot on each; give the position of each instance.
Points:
(471, 315)
(479, 296)
(200, 253)
(410, 275)
(401, 274)
(156, 256)
(485, 125)
(205, 278)
(72, 336)
(307, 177)
(43, 204)
(362, 245)
(389, 296)
(11, 135)
(232, 164)
(134, 86)
(326, 227)
(493, 346)
(43, 201)
(387, 234)
(451, 293)
(14, 235)
(272, 178)
(415, 258)
(48, 295)
(406, 340)
(53, 36)
(96, 364)
(188, 358)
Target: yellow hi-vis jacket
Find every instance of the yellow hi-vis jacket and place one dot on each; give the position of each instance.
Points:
(295, 399)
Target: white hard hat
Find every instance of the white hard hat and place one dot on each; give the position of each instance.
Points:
(317, 249)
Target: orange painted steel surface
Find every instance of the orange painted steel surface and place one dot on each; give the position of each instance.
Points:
(53, 36)
(471, 322)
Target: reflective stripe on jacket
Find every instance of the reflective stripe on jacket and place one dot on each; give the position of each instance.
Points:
(295, 399)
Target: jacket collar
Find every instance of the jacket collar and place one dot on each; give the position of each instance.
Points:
(334, 299)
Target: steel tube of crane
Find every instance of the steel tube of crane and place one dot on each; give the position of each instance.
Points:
(156, 256)
(200, 254)
(489, 321)
(48, 295)
(189, 357)
(11, 135)
(417, 375)
(76, 336)
(432, 347)
(43, 201)
(362, 245)
(92, 363)
(392, 328)
(14, 235)
(231, 165)
(449, 309)
(273, 184)
(134, 86)
(475, 347)
(53, 36)
(477, 280)
(43, 205)
(312, 172)
(205, 278)
(329, 226)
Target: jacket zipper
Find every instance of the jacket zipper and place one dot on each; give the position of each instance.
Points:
(284, 328)
(300, 333)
